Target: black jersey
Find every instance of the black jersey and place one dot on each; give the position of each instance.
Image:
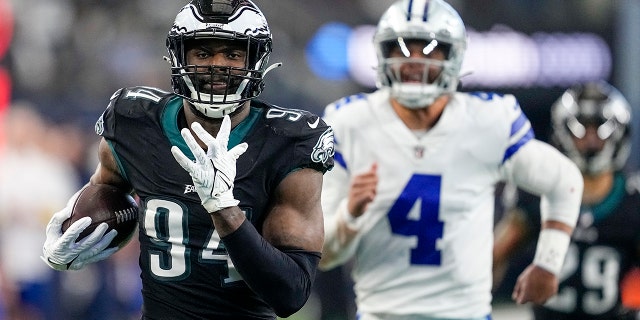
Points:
(604, 246)
(186, 272)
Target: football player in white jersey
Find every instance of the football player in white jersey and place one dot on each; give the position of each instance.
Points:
(411, 198)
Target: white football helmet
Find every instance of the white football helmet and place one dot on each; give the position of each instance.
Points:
(437, 24)
(237, 20)
(599, 104)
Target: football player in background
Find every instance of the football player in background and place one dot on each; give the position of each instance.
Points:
(591, 125)
(214, 244)
(412, 195)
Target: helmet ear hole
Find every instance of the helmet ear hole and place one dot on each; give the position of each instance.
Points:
(219, 21)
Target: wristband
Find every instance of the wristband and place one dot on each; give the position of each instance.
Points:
(349, 220)
(551, 248)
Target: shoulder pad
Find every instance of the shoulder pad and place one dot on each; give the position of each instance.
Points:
(311, 135)
(336, 105)
(495, 99)
(126, 100)
(131, 103)
(293, 122)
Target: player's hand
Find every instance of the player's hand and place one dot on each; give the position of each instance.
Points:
(362, 191)
(214, 171)
(535, 285)
(62, 252)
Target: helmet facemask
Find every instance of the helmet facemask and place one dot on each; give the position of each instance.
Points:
(417, 81)
(242, 28)
(439, 27)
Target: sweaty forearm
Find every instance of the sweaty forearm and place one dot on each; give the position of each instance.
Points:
(283, 279)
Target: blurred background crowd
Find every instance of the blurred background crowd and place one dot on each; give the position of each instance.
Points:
(60, 60)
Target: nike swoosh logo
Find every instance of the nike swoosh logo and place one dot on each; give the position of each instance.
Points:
(314, 124)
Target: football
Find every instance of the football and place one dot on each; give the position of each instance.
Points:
(106, 203)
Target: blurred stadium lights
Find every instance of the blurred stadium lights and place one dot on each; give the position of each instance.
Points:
(326, 52)
(500, 57)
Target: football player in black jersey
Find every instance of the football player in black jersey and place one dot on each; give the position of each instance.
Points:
(230, 222)
(591, 125)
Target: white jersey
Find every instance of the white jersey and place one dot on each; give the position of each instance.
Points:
(424, 244)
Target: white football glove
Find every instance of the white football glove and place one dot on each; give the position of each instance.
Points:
(213, 172)
(62, 252)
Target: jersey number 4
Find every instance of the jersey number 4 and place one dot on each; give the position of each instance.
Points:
(415, 213)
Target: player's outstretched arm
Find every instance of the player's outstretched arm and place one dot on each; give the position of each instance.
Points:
(63, 251)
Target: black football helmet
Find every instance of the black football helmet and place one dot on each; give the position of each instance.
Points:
(236, 20)
(597, 104)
